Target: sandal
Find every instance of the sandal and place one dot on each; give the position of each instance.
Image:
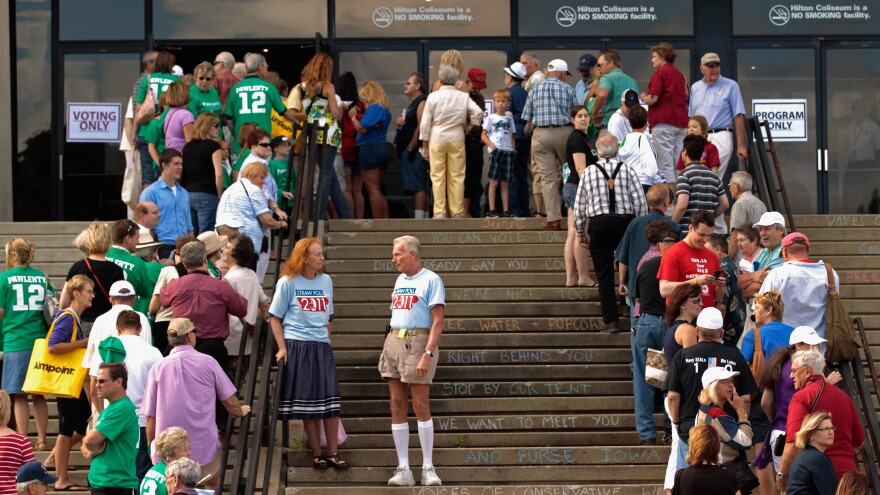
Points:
(336, 462)
(42, 446)
(320, 462)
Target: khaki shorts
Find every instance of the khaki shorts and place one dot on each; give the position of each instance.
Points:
(212, 467)
(400, 363)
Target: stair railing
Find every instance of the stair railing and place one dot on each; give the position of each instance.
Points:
(765, 171)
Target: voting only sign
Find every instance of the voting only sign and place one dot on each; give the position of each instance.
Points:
(787, 118)
(94, 122)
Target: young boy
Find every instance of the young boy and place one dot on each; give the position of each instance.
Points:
(498, 129)
(278, 168)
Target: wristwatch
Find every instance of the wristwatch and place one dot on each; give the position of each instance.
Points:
(429, 353)
(781, 476)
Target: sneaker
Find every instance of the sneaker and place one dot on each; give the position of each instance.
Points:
(507, 214)
(441, 215)
(457, 216)
(403, 477)
(430, 478)
(493, 214)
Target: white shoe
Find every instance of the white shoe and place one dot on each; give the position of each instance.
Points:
(441, 215)
(457, 216)
(403, 477)
(430, 478)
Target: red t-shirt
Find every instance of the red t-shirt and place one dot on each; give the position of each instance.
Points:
(682, 263)
(670, 86)
(710, 158)
(349, 135)
(15, 450)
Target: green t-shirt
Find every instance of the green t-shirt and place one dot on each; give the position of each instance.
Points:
(152, 270)
(158, 82)
(252, 100)
(200, 102)
(136, 273)
(154, 481)
(156, 133)
(616, 82)
(279, 172)
(22, 292)
(241, 159)
(115, 467)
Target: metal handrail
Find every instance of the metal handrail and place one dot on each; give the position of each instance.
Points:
(772, 193)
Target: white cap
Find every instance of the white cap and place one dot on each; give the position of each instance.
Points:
(517, 70)
(770, 218)
(122, 288)
(177, 71)
(558, 65)
(805, 335)
(717, 373)
(710, 319)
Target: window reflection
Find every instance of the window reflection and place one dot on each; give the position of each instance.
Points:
(228, 19)
(119, 20)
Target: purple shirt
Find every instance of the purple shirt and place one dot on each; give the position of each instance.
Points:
(783, 391)
(181, 391)
(206, 301)
(174, 122)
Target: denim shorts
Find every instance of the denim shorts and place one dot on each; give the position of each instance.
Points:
(569, 192)
(372, 156)
(414, 171)
(15, 366)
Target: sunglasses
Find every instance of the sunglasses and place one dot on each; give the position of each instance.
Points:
(669, 241)
(264, 145)
(103, 380)
(201, 78)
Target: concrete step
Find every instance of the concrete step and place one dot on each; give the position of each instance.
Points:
(519, 423)
(835, 234)
(535, 372)
(498, 440)
(516, 342)
(460, 309)
(384, 281)
(420, 226)
(483, 388)
(845, 222)
(355, 407)
(484, 239)
(454, 326)
(490, 294)
(445, 251)
(572, 488)
(524, 356)
(21, 229)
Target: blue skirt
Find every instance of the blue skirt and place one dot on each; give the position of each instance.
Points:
(310, 389)
(15, 366)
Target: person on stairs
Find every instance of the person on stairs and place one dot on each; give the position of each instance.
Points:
(417, 312)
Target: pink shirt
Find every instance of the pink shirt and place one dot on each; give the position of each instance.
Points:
(175, 119)
(181, 391)
(206, 301)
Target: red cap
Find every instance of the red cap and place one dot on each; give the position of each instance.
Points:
(795, 238)
(477, 77)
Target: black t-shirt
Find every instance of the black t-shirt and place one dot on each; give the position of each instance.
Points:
(707, 478)
(410, 124)
(107, 272)
(198, 167)
(648, 289)
(577, 143)
(686, 372)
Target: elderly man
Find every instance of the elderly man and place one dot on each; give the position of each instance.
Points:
(814, 394)
(146, 215)
(225, 79)
(532, 65)
(548, 110)
(205, 300)
(182, 475)
(667, 114)
(771, 226)
(112, 444)
(188, 373)
(417, 309)
(609, 196)
(585, 67)
(172, 199)
(611, 87)
(253, 99)
(684, 381)
(33, 479)
(747, 208)
(697, 188)
(803, 284)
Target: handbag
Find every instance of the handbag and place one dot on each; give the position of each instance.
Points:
(757, 357)
(745, 478)
(341, 436)
(50, 305)
(842, 344)
(779, 446)
(656, 368)
(59, 375)
(131, 182)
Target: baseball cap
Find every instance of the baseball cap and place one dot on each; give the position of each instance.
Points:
(111, 350)
(805, 335)
(716, 373)
(558, 65)
(587, 62)
(770, 218)
(516, 70)
(795, 238)
(710, 319)
(122, 288)
(34, 471)
(145, 239)
(278, 140)
(181, 327)
(630, 98)
(477, 77)
(710, 58)
(177, 71)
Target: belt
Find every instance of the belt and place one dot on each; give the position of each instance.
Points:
(409, 332)
(551, 126)
(655, 316)
(720, 129)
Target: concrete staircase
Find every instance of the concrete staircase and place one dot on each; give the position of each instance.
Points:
(530, 396)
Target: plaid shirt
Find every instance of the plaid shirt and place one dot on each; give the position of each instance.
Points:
(593, 200)
(240, 206)
(549, 103)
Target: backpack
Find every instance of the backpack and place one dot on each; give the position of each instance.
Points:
(839, 332)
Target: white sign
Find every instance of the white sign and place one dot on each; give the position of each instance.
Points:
(94, 122)
(787, 118)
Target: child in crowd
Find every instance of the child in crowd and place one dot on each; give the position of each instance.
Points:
(278, 169)
(637, 150)
(498, 132)
(699, 126)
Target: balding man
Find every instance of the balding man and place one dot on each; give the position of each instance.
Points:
(146, 215)
(747, 208)
(225, 78)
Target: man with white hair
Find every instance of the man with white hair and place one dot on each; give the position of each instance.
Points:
(182, 475)
(33, 479)
(814, 394)
(747, 208)
(225, 78)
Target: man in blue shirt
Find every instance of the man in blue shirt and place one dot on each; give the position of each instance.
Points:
(173, 202)
(585, 67)
(519, 183)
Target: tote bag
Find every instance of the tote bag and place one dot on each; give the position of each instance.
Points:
(656, 368)
(59, 375)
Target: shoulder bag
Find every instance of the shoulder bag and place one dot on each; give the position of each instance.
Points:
(757, 356)
(58, 375)
(779, 446)
(842, 344)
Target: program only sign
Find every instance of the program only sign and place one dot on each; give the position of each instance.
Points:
(787, 118)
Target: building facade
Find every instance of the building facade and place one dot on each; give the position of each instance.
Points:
(811, 68)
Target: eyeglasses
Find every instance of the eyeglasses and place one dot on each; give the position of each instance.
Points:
(794, 370)
(216, 126)
(205, 78)
(669, 241)
(103, 380)
(264, 145)
(827, 428)
(216, 62)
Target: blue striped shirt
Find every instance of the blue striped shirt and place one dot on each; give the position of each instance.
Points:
(702, 187)
(550, 103)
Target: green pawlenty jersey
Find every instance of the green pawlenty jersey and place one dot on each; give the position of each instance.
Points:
(252, 100)
(200, 102)
(115, 467)
(158, 82)
(279, 172)
(143, 304)
(135, 269)
(156, 134)
(154, 481)
(22, 292)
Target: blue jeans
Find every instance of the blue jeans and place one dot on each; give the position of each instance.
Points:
(149, 173)
(330, 187)
(519, 181)
(649, 334)
(203, 209)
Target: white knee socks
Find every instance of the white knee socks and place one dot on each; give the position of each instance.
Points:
(400, 432)
(426, 438)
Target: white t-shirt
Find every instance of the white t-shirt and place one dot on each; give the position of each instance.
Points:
(637, 151)
(499, 130)
(139, 359)
(245, 282)
(804, 288)
(618, 125)
(166, 275)
(413, 298)
(105, 326)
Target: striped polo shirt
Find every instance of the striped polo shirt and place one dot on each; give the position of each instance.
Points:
(703, 187)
